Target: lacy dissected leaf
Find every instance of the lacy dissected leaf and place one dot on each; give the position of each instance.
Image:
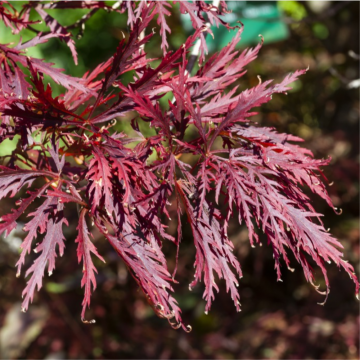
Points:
(11, 18)
(213, 12)
(65, 197)
(162, 11)
(84, 250)
(135, 11)
(12, 181)
(251, 98)
(115, 179)
(54, 153)
(52, 224)
(198, 22)
(128, 5)
(100, 186)
(148, 84)
(213, 250)
(147, 265)
(151, 113)
(8, 221)
(203, 186)
(37, 223)
(56, 74)
(26, 117)
(237, 192)
(295, 163)
(12, 81)
(126, 184)
(124, 60)
(40, 38)
(13, 86)
(43, 95)
(195, 10)
(74, 98)
(41, 109)
(224, 68)
(56, 28)
(282, 211)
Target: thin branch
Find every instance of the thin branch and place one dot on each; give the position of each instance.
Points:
(81, 23)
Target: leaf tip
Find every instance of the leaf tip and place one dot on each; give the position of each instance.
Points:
(262, 39)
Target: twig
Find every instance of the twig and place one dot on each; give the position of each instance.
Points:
(350, 84)
(196, 49)
(81, 23)
(195, 53)
(353, 54)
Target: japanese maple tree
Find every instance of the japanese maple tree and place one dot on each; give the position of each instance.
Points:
(68, 152)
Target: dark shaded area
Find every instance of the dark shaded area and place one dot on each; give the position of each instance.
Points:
(278, 320)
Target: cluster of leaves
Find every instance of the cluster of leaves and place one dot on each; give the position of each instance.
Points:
(67, 142)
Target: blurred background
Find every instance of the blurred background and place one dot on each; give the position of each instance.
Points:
(278, 320)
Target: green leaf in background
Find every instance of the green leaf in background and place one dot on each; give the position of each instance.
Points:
(258, 17)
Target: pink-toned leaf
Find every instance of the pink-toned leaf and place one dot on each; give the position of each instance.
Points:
(214, 250)
(46, 68)
(148, 267)
(162, 11)
(56, 28)
(53, 238)
(100, 186)
(8, 221)
(13, 180)
(84, 250)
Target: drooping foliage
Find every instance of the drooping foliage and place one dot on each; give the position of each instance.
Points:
(68, 153)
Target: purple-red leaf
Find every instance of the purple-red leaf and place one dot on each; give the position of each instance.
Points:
(84, 250)
(13, 180)
(126, 182)
(56, 28)
(213, 250)
(52, 224)
(148, 267)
